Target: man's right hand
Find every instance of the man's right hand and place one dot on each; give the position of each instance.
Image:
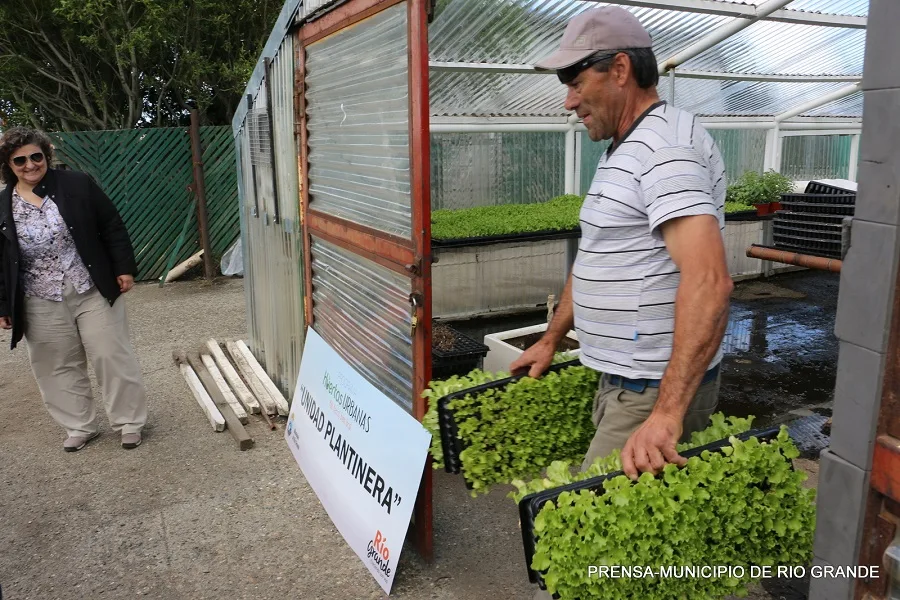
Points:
(537, 359)
(5, 323)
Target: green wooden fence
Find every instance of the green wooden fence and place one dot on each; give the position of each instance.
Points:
(146, 173)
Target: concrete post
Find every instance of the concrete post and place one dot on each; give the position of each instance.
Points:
(868, 281)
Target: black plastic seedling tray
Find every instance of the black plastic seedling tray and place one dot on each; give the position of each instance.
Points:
(531, 505)
(842, 198)
(816, 187)
(461, 359)
(846, 210)
(531, 236)
(450, 443)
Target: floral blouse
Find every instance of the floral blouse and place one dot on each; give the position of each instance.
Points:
(47, 252)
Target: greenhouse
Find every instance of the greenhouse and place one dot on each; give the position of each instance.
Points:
(777, 83)
(402, 165)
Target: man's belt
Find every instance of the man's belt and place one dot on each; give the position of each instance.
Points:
(640, 385)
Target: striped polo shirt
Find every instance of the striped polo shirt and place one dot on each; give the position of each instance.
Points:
(624, 280)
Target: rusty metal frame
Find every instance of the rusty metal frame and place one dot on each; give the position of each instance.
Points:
(303, 145)
(883, 503)
(420, 160)
(342, 17)
(412, 258)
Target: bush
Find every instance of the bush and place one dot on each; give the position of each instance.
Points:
(753, 188)
(733, 207)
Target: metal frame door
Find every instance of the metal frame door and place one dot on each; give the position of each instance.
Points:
(411, 258)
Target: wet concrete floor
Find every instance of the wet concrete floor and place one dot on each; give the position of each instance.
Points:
(780, 349)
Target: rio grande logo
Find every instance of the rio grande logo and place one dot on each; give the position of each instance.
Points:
(379, 554)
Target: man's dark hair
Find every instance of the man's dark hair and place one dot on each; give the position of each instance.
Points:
(13, 139)
(643, 65)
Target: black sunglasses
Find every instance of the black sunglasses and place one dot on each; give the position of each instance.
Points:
(37, 158)
(568, 74)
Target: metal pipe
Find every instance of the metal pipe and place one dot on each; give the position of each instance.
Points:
(521, 69)
(499, 127)
(771, 141)
(820, 101)
(200, 189)
(570, 155)
(793, 258)
(672, 87)
(807, 132)
(486, 125)
(732, 27)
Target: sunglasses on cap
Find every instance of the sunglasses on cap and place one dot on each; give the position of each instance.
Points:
(570, 73)
(37, 158)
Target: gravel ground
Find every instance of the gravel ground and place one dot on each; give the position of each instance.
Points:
(188, 516)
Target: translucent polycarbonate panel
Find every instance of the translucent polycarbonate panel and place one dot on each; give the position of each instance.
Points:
(525, 95)
(282, 72)
(850, 106)
(816, 157)
(747, 98)
(770, 47)
(524, 31)
(357, 104)
(363, 311)
(590, 157)
(859, 8)
(496, 94)
(742, 150)
(483, 169)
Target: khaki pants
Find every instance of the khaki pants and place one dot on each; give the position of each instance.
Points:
(619, 412)
(60, 337)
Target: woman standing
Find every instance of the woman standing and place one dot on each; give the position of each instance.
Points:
(66, 258)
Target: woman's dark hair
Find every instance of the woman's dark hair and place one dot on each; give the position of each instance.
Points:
(643, 66)
(13, 139)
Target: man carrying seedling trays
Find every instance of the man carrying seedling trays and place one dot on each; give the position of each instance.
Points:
(648, 294)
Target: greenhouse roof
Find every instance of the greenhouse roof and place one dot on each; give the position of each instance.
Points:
(728, 61)
(757, 60)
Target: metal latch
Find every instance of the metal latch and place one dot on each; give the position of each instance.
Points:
(415, 300)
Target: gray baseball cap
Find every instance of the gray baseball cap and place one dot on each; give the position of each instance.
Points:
(595, 30)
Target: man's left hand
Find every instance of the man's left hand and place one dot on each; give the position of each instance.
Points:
(652, 446)
(126, 282)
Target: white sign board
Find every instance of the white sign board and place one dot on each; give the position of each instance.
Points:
(361, 453)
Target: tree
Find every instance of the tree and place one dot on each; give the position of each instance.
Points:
(118, 64)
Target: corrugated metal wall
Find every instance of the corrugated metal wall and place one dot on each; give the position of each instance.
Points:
(273, 267)
(806, 157)
(484, 169)
(357, 89)
(362, 309)
(357, 103)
